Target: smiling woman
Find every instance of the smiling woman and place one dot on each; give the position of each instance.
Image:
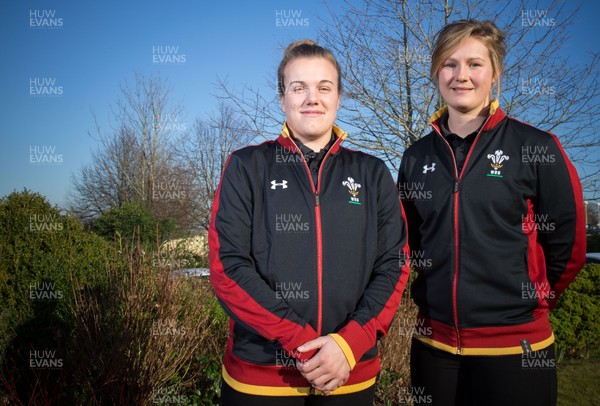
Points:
(309, 86)
(308, 291)
(310, 105)
(466, 78)
(501, 227)
(464, 65)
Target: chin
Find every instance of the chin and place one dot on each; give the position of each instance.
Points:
(315, 132)
(464, 109)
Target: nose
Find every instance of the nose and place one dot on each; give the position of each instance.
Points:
(312, 95)
(462, 73)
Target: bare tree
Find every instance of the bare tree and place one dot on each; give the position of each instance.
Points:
(131, 157)
(145, 107)
(109, 180)
(262, 113)
(203, 153)
(384, 47)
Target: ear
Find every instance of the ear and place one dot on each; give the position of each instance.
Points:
(497, 76)
(281, 102)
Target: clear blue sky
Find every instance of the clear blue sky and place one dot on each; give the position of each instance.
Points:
(97, 45)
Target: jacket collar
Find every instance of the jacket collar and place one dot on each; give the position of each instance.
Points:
(495, 116)
(286, 140)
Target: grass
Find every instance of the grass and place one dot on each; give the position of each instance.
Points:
(578, 381)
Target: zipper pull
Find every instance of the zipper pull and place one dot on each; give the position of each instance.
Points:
(455, 185)
(526, 347)
(317, 202)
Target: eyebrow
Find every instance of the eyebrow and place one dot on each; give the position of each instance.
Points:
(301, 82)
(468, 59)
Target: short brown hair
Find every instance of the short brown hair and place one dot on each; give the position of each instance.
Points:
(305, 49)
(452, 35)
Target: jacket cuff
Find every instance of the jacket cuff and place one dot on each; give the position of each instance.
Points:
(307, 334)
(357, 339)
(345, 348)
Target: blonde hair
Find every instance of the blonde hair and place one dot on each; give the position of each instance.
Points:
(452, 35)
(305, 49)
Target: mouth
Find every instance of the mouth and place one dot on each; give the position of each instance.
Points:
(461, 89)
(312, 113)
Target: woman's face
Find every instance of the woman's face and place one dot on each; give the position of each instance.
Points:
(466, 78)
(311, 98)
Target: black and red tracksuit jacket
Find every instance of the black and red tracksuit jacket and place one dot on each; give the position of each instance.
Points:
(494, 245)
(291, 261)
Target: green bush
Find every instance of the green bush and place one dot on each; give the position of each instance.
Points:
(132, 219)
(576, 318)
(83, 323)
(41, 250)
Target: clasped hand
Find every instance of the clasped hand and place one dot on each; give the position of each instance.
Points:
(328, 369)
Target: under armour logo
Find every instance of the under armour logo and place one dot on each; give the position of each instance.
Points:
(274, 184)
(429, 168)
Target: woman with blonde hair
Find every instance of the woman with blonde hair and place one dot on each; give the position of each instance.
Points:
(502, 229)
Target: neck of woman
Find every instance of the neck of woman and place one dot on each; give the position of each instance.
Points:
(463, 124)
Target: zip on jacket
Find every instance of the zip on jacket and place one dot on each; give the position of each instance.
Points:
(456, 191)
(319, 235)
